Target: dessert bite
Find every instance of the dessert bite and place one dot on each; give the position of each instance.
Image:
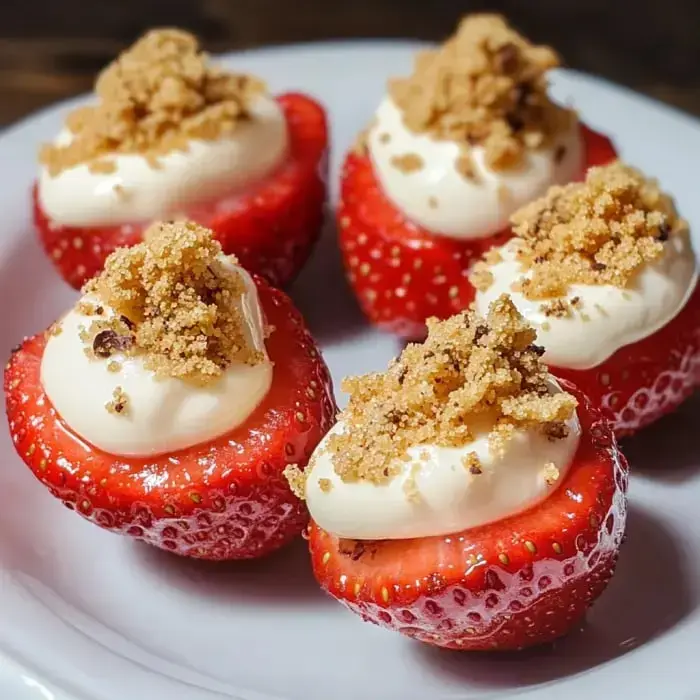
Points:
(171, 135)
(465, 498)
(167, 403)
(605, 271)
(453, 150)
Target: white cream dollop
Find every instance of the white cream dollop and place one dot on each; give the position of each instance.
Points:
(449, 497)
(440, 199)
(607, 317)
(163, 415)
(136, 192)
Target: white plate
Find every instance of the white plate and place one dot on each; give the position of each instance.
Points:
(86, 615)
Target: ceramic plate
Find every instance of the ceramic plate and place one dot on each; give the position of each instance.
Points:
(86, 615)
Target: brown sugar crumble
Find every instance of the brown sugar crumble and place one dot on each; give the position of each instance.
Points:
(551, 473)
(472, 463)
(174, 301)
(407, 163)
(485, 86)
(601, 231)
(119, 404)
(469, 373)
(154, 98)
(296, 478)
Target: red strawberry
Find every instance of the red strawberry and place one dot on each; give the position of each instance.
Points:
(226, 499)
(272, 227)
(515, 583)
(645, 380)
(401, 273)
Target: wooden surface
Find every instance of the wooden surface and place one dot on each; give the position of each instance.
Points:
(50, 49)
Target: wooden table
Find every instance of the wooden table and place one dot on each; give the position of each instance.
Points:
(50, 49)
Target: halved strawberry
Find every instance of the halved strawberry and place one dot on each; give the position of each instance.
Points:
(402, 273)
(226, 499)
(272, 227)
(645, 380)
(515, 583)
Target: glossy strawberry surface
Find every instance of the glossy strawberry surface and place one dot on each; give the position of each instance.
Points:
(648, 379)
(272, 227)
(225, 499)
(515, 583)
(400, 272)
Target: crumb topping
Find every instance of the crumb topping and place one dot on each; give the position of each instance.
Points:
(119, 405)
(152, 100)
(601, 231)
(469, 374)
(296, 478)
(485, 86)
(174, 301)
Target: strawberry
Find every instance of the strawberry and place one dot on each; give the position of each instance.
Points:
(645, 380)
(515, 583)
(402, 273)
(226, 499)
(272, 227)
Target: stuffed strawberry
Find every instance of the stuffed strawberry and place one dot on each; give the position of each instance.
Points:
(168, 402)
(454, 149)
(465, 498)
(605, 271)
(172, 136)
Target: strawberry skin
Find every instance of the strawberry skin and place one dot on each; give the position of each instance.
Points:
(401, 273)
(272, 227)
(225, 499)
(644, 381)
(516, 583)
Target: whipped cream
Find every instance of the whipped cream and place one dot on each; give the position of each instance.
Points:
(164, 415)
(137, 192)
(607, 317)
(449, 497)
(440, 199)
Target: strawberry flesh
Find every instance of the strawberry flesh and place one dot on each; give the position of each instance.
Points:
(225, 499)
(401, 273)
(515, 583)
(272, 227)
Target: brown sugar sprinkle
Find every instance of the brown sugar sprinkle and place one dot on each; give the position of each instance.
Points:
(407, 163)
(559, 308)
(472, 463)
(601, 231)
(297, 480)
(551, 473)
(153, 99)
(470, 372)
(174, 301)
(485, 86)
(119, 403)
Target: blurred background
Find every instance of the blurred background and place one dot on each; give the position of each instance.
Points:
(50, 49)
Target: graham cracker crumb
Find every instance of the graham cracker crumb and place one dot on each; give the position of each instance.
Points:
(551, 473)
(601, 231)
(175, 302)
(102, 167)
(113, 366)
(559, 308)
(481, 277)
(472, 463)
(154, 98)
(433, 202)
(296, 479)
(407, 163)
(485, 86)
(326, 485)
(465, 166)
(384, 138)
(410, 487)
(469, 372)
(119, 404)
